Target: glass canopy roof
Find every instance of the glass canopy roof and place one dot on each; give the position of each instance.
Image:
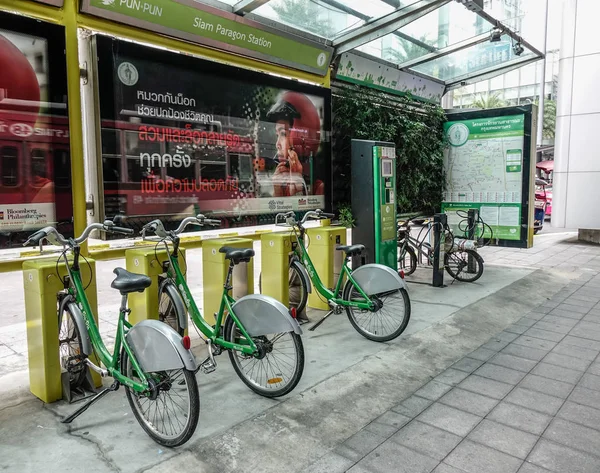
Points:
(445, 40)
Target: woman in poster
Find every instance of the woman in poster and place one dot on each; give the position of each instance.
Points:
(298, 130)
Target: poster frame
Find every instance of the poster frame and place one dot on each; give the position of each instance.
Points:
(528, 177)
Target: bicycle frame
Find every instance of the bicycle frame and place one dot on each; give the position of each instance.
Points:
(300, 251)
(175, 274)
(110, 361)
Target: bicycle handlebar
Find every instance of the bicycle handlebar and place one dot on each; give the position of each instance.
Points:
(157, 227)
(55, 237)
(290, 217)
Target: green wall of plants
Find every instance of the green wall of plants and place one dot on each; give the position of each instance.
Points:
(415, 128)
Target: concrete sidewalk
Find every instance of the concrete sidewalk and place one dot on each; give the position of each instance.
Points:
(477, 366)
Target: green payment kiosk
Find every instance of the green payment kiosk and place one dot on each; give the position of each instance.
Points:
(374, 202)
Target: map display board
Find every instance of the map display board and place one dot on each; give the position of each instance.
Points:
(486, 167)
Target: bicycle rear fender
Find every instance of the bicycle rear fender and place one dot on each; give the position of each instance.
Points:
(264, 315)
(170, 288)
(157, 347)
(377, 278)
(68, 303)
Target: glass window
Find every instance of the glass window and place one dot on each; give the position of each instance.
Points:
(10, 166)
(62, 168)
(213, 171)
(241, 166)
(111, 169)
(111, 142)
(39, 168)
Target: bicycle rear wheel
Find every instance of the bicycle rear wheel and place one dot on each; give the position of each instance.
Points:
(407, 259)
(457, 265)
(70, 348)
(169, 414)
(168, 311)
(384, 324)
(298, 289)
(277, 368)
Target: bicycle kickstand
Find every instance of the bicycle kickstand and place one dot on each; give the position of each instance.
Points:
(313, 328)
(113, 387)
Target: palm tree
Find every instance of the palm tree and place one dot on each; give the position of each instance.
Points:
(305, 15)
(488, 101)
(549, 118)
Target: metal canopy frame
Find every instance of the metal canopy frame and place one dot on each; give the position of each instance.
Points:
(390, 23)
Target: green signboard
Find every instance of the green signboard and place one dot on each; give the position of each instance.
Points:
(484, 171)
(207, 25)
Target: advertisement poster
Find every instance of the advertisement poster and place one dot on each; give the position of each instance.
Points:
(484, 170)
(181, 135)
(35, 184)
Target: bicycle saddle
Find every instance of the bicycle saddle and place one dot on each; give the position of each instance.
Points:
(237, 255)
(127, 282)
(351, 250)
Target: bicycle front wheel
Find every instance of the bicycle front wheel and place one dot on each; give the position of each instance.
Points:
(168, 311)
(70, 348)
(383, 324)
(457, 265)
(169, 413)
(407, 260)
(298, 289)
(276, 369)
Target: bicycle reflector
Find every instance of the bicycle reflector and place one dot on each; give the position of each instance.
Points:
(401, 273)
(293, 312)
(187, 343)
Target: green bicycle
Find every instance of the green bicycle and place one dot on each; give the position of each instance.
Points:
(375, 297)
(151, 360)
(260, 334)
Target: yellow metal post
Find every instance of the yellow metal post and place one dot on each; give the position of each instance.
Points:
(275, 262)
(148, 261)
(41, 285)
(326, 259)
(75, 120)
(214, 273)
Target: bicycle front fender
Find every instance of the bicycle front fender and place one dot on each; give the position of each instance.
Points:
(264, 315)
(157, 347)
(377, 278)
(170, 288)
(303, 273)
(68, 303)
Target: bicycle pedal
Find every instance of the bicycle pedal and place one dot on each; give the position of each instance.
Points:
(208, 366)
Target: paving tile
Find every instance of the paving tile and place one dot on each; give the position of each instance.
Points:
(495, 345)
(526, 322)
(359, 445)
(448, 418)
(451, 376)
(566, 361)
(475, 458)
(586, 333)
(544, 334)
(573, 300)
(573, 308)
(393, 457)
(577, 352)
(433, 390)
(330, 463)
(538, 315)
(531, 468)
(426, 439)
(467, 364)
(594, 368)
(482, 354)
(516, 329)
(500, 373)
(485, 386)
(590, 381)
(382, 430)
(504, 438)
(445, 468)
(587, 325)
(513, 362)
(520, 417)
(580, 414)
(581, 342)
(521, 351)
(552, 327)
(557, 372)
(535, 400)
(566, 313)
(391, 419)
(585, 396)
(412, 406)
(553, 319)
(5, 351)
(573, 435)
(468, 401)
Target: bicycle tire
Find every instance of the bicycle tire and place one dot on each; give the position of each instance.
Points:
(407, 250)
(461, 262)
(168, 311)
(268, 386)
(151, 427)
(370, 332)
(70, 346)
(298, 291)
